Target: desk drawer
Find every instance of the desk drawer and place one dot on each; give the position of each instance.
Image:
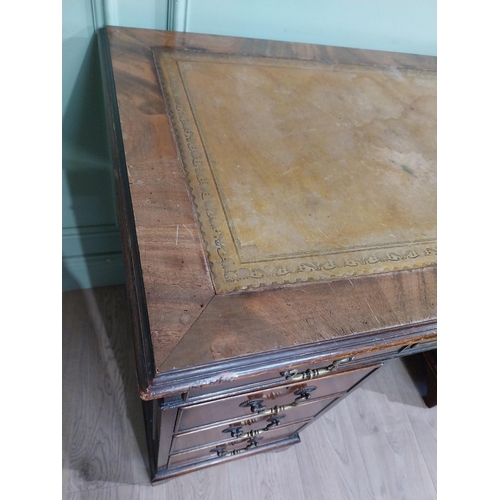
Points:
(255, 424)
(263, 401)
(232, 447)
(277, 376)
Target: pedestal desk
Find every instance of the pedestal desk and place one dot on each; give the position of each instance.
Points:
(277, 204)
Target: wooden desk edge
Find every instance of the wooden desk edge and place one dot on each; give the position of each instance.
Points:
(151, 383)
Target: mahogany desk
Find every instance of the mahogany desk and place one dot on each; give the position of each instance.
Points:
(278, 211)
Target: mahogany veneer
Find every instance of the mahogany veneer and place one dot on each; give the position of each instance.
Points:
(278, 211)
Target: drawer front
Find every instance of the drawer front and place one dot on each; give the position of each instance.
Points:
(284, 395)
(234, 447)
(276, 376)
(227, 431)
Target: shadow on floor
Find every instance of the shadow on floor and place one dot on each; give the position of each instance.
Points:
(103, 429)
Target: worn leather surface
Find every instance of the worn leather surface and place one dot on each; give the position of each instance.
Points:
(304, 171)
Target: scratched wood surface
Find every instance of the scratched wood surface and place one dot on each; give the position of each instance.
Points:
(189, 323)
(262, 321)
(175, 275)
(380, 443)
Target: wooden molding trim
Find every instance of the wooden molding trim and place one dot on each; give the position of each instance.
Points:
(184, 379)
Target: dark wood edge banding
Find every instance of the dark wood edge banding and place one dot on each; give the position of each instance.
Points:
(152, 418)
(135, 287)
(182, 380)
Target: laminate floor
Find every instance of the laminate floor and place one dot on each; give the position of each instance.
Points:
(379, 443)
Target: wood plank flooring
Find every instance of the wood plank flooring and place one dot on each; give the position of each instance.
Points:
(377, 444)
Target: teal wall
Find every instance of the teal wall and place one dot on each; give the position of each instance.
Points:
(394, 25)
(91, 242)
(90, 236)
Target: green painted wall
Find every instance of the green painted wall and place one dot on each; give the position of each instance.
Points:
(91, 242)
(393, 25)
(90, 234)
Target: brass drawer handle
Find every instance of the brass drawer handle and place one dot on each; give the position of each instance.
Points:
(221, 450)
(257, 407)
(294, 375)
(236, 431)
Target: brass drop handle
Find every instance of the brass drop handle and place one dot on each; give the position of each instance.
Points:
(257, 407)
(221, 450)
(236, 431)
(294, 375)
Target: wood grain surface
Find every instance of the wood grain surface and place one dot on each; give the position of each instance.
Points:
(174, 272)
(188, 324)
(347, 454)
(261, 321)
